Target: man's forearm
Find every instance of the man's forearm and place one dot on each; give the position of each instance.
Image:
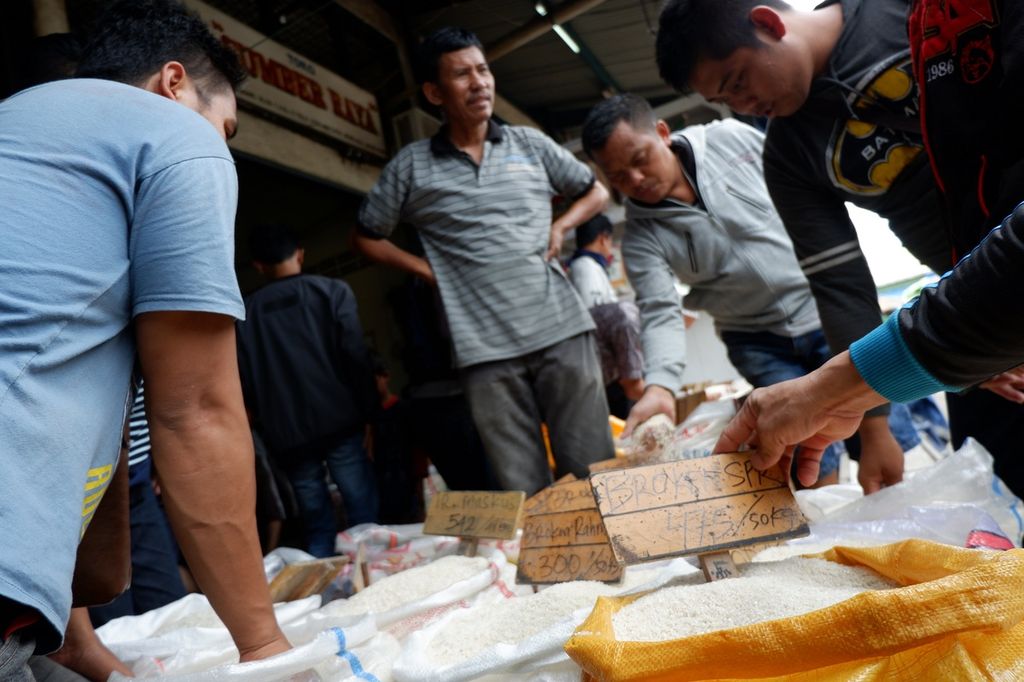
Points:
(838, 385)
(384, 252)
(583, 209)
(199, 456)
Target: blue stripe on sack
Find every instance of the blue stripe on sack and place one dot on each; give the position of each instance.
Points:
(351, 659)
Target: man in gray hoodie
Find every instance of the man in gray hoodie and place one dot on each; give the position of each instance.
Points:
(698, 209)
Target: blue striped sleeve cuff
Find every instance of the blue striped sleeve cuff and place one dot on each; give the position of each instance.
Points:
(885, 362)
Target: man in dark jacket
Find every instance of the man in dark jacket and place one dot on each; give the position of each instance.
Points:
(308, 384)
(839, 84)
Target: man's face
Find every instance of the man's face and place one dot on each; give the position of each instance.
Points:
(603, 246)
(640, 163)
(465, 86)
(770, 80)
(216, 104)
(220, 109)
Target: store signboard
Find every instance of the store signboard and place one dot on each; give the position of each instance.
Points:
(289, 85)
(695, 506)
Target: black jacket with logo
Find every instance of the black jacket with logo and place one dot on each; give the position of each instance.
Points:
(855, 140)
(968, 58)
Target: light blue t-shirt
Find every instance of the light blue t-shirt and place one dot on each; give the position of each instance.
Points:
(113, 202)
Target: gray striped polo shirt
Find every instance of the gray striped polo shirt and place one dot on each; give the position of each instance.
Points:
(485, 230)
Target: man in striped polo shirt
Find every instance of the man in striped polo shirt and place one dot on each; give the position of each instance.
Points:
(479, 194)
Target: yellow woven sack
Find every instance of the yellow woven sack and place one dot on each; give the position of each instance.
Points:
(959, 616)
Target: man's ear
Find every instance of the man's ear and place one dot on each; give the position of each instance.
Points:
(664, 132)
(433, 93)
(260, 267)
(170, 81)
(300, 255)
(768, 20)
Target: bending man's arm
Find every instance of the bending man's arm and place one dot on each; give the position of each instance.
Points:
(663, 330)
(829, 254)
(203, 451)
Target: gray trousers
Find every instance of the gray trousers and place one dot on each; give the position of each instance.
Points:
(560, 385)
(17, 664)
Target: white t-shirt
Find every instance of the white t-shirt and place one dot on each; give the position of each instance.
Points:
(591, 282)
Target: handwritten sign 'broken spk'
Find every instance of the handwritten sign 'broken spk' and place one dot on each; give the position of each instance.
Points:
(695, 506)
(475, 514)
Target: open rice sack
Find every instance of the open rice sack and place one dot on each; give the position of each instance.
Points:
(958, 616)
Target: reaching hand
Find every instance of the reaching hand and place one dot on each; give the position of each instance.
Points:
(1009, 385)
(776, 419)
(881, 457)
(655, 400)
(825, 406)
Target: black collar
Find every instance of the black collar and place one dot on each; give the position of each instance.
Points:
(441, 144)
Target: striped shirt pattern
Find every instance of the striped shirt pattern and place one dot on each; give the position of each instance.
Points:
(485, 230)
(138, 430)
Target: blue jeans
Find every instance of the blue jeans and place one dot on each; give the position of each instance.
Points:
(764, 359)
(351, 471)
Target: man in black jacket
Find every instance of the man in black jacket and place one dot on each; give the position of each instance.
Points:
(838, 84)
(308, 384)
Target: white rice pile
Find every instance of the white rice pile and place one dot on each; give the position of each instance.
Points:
(763, 592)
(512, 620)
(785, 551)
(411, 585)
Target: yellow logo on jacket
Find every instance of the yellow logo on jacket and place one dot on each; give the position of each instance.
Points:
(865, 157)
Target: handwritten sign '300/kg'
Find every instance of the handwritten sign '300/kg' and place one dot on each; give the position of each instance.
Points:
(474, 514)
(564, 538)
(695, 506)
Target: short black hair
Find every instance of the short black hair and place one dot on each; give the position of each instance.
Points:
(272, 243)
(691, 30)
(132, 39)
(442, 41)
(49, 58)
(589, 231)
(606, 115)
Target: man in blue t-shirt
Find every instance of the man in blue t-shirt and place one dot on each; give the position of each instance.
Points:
(117, 203)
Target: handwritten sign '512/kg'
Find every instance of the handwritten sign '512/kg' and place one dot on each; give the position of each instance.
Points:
(695, 506)
(474, 514)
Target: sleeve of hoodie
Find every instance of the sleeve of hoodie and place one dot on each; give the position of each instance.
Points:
(959, 332)
(661, 316)
(826, 247)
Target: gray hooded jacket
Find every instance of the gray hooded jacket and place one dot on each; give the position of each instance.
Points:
(735, 255)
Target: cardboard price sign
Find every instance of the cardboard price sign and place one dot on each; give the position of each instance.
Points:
(475, 514)
(695, 506)
(564, 538)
